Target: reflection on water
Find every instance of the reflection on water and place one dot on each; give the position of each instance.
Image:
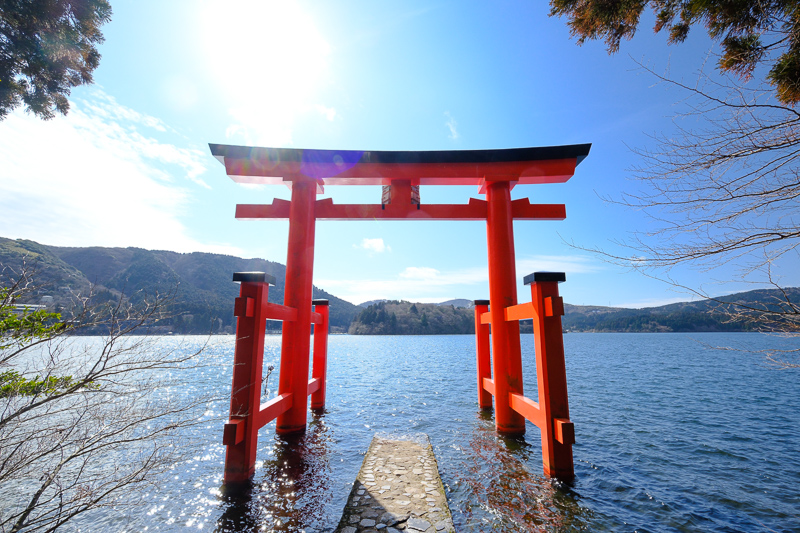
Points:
(289, 491)
(671, 437)
(495, 488)
(500, 493)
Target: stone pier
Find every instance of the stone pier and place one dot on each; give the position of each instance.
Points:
(398, 489)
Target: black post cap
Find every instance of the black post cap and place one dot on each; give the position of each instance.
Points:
(481, 302)
(545, 276)
(253, 277)
(319, 302)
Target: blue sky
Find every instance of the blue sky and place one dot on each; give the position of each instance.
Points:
(130, 166)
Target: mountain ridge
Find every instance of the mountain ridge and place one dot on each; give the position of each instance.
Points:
(205, 293)
(201, 282)
(395, 317)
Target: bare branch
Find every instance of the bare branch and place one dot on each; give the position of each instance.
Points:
(57, 445)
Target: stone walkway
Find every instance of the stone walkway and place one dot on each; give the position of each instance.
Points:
(397, 489)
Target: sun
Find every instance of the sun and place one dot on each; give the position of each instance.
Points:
(269, 60)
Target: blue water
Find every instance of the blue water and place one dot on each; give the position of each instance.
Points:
(672, 436)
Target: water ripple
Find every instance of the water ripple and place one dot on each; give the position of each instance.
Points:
(671, 437)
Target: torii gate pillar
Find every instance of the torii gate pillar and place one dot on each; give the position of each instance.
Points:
(507, 360)
(295, 344)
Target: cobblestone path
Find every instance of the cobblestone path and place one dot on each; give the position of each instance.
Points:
(397, 489)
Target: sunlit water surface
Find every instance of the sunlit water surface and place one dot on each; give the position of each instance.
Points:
(671, 436)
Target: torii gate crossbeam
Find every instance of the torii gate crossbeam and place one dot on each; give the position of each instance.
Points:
(499, 361)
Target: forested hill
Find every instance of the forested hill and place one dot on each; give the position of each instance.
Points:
(405, 318)
(701, 315)
(392, 317)
(205, 293)
(202, 281)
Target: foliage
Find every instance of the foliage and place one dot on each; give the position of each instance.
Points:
(46, 48)
(84, 422)
(12, 383)
(21, 328)
(751, 32)
(724, 187)
(393, 317)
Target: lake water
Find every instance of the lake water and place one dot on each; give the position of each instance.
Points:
(672, 435)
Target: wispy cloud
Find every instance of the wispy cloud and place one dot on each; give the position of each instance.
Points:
(654, 302)
(327, 112)
(374, 245)
(420, 273)
(98, 176)
(451, 125)
(571, 264)
(418, 284)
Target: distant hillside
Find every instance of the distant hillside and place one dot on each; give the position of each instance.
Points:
(205, 292)
(456, 303)
(699, 316)
(392, 317)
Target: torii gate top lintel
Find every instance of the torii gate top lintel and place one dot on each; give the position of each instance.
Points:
(534, 165)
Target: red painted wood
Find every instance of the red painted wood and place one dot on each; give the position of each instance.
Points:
(279, 312)
(270, 410)
(497, 329)
(233, 432)
(313, 386)
(522, 172)
(475, 210)
(552, 381)
(564, 431)
(488, 385)
(240, 457)
(320, 363)
(296, 341)
(528, 408)
(506, 356)
(520, 311)
(483, 356)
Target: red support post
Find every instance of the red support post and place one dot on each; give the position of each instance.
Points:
(241, 432)
(483, 354)
(296, 341)
(558, 433)
(506, 353)
(320, 363)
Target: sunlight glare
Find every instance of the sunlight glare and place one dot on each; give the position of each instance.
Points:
(270, 60)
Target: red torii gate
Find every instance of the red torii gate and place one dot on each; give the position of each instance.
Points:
(499, 362)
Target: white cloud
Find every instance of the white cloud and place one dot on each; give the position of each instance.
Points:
(451, 125)
(105, 106)
(427, 284)
(96, 177)
(420, 273)
(570, 264)
(374, 245)
(327, 112)
(653, 302)
(418, 284)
